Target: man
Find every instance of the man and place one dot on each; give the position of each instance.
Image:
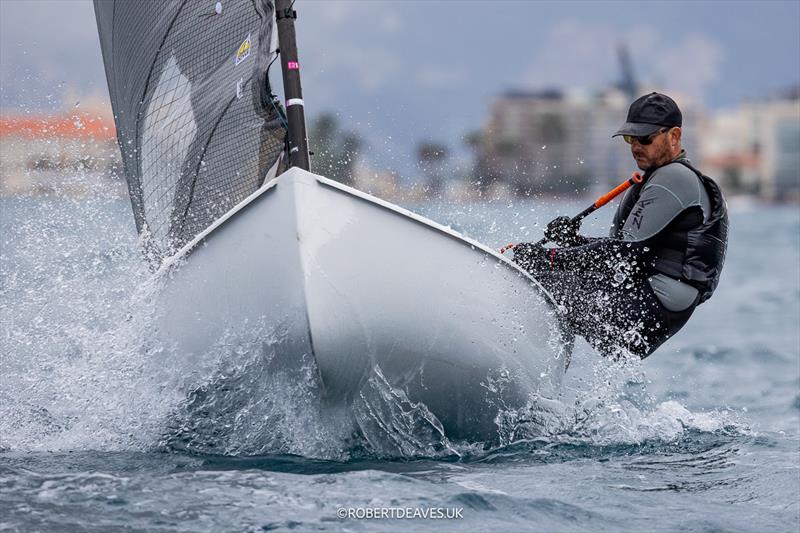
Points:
(635, 289)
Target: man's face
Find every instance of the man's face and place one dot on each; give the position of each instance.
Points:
(659, 152)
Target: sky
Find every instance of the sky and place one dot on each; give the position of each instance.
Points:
(398, 72)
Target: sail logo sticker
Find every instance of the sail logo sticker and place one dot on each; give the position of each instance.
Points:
(244, 49)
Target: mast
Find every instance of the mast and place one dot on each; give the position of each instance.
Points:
(295, 114)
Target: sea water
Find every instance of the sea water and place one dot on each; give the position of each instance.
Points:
(102, 430)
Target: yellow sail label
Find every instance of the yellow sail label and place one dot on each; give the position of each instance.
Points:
(244, 50)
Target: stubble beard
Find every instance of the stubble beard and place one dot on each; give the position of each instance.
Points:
(658, 159)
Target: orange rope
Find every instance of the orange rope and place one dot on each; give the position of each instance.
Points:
(507, 247)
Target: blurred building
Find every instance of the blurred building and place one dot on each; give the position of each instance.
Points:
(44, 153)
(755, 148)
(730, 152)
(535, 141)
(560, 142)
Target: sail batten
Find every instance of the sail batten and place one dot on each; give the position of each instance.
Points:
(190, 92)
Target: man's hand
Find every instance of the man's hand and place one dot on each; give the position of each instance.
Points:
(563, 231)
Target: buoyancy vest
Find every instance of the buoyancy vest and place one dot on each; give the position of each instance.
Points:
(689, 248)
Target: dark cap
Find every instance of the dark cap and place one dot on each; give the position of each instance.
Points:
(649, 113)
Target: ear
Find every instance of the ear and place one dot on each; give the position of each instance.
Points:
(675, 135)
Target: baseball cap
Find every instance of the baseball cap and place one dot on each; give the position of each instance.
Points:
(649, 113)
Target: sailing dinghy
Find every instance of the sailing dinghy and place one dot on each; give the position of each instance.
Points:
(245, 236)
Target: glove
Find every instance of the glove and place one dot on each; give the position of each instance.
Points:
(563, 231)
(532, 257)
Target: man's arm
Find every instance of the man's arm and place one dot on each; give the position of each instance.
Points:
(668, 192)
(599, 255)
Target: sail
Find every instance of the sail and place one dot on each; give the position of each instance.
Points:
(196, 121)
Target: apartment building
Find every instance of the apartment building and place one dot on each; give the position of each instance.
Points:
(558, 141)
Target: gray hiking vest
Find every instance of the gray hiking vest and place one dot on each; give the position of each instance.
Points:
(689, 248)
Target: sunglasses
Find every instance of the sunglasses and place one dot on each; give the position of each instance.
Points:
(644, 140)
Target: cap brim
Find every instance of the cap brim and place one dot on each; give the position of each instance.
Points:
(637, 129)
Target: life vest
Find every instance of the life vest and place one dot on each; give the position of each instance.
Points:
(689, 248)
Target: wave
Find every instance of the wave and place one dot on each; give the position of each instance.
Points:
(82, 371)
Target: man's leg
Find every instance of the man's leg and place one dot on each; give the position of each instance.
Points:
(613, 316)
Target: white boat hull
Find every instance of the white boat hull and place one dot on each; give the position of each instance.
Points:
(360, 284)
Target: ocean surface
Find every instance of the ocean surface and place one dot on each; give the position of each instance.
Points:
(702, 436)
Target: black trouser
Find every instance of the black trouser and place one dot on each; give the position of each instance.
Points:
(611, 315)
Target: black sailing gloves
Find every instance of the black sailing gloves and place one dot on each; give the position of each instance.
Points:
(563, 231)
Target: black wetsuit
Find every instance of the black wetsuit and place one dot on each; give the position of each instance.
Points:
(612, 314)
(614, 295)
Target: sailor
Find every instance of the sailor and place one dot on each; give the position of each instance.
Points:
(631, 291)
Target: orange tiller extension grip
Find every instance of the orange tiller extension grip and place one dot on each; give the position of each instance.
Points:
(616, 191)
